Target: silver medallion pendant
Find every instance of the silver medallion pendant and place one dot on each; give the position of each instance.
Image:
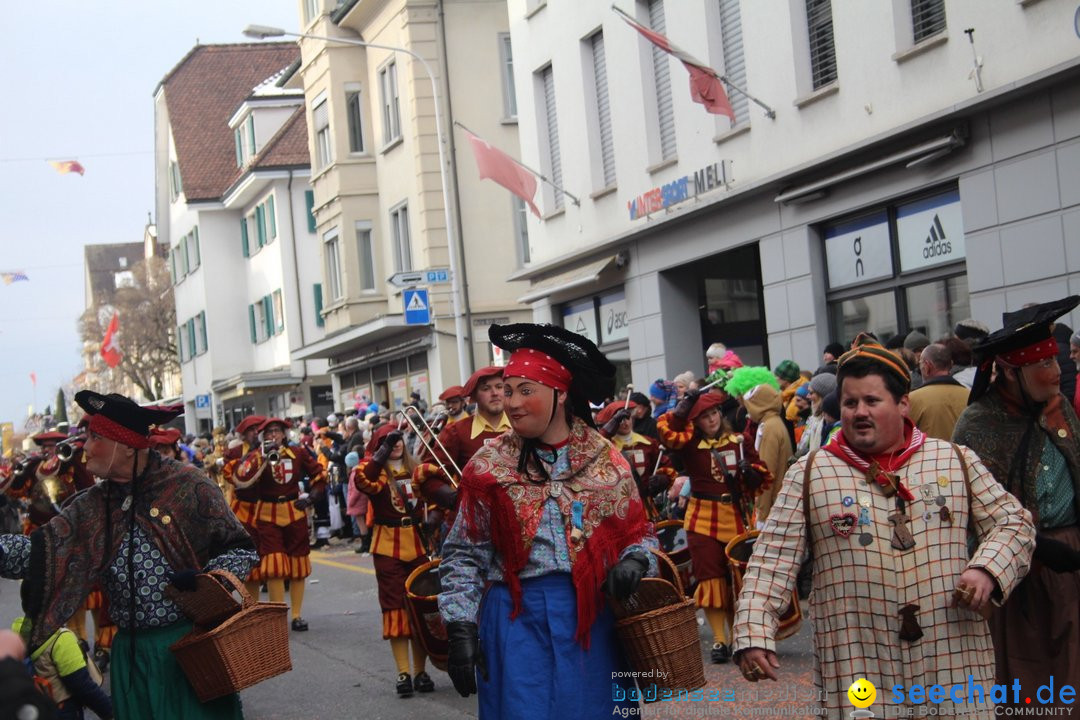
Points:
(126, 505)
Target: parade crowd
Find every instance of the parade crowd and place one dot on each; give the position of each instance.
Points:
(919, 496)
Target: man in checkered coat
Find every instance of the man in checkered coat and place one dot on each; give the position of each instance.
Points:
(885, 513)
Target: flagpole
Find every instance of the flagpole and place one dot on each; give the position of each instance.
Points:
(523, 165)
(769, 112)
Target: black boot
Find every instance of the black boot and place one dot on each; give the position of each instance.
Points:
(404, 685)
(423, 683)
(721, 653)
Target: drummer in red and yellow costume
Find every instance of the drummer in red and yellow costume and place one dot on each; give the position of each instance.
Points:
(245, 500)
(725, 476)
(462, 439)
(385, 474)
(454, 399)
(281, 522)
(652, 470)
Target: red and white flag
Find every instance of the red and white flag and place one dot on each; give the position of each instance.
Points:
(706, 87)
(496, 165)
(67, 166)
(110, 345)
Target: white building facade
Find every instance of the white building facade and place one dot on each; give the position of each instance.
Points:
(233, 205)
(887, 186)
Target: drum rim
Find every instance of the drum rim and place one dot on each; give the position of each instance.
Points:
(419, 570)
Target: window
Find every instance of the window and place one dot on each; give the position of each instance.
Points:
(199, 325)
(194, 258)
(603, 110)
(311, 10)
(279, 312)
(898, 269)
(551, 124)
(261, 311)
(319, 320)
(309, 205)
(332, 253)
(190, 324)
(734, 61)
(665, 110)
(353, 112)
(320, 118)
(402, 245)
(252, 325)
(366, 254)
(388, 88)
(506, 62)
(182, 268)
(182, 343)
(927, 18)
(175, 186)
(819, 27)
(172, 265)
(251, 135)
(521, 230)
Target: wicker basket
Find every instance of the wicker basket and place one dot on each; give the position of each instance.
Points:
(218, 594)
(658, 628)
(245, 649)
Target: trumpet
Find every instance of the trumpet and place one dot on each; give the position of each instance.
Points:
(273, 457)
(427, 428)
(69, 448)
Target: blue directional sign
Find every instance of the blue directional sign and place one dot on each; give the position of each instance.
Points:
(436, 275)
(417, 306)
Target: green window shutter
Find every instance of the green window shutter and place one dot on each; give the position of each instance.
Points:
(244, 237)
(202, 328)
(270, 217)
(309, 201)
(318, 305)
(172, 264)
(260, 224)
(180, 342)
(268, 315)
(251, 321)
(251, 132)
(239, 138)
(198, 250)
(191, 337)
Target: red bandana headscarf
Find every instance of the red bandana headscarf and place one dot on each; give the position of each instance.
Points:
(539, 367)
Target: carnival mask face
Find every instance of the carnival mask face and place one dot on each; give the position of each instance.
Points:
(489, 395)
(528, 404)
(871, 419)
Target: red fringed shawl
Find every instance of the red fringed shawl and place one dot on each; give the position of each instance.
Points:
(499, 503)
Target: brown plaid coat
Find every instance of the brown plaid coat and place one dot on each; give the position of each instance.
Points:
(859, 589)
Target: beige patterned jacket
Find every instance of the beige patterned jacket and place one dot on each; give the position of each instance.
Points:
(859, 588)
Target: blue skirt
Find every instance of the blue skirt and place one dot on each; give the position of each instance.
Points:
(536, 668)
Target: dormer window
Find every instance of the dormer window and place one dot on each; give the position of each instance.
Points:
(244, 138)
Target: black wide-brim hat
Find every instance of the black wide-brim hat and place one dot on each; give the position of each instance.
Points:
(593, 374)
(1022, 328)
(122, 419)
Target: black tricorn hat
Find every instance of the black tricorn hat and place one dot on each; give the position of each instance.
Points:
(593, 374)
(1022, 329)
(122, 419)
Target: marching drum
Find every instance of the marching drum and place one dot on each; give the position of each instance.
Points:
(738, 553)
(672, 537)
(422, 589)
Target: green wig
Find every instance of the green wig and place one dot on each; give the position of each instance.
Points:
(746, 378)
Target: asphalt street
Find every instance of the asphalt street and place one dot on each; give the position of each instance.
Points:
(343, 669)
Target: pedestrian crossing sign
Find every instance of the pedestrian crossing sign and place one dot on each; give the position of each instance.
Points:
(417, 306)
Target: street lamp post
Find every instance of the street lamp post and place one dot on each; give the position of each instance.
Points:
(262, 32)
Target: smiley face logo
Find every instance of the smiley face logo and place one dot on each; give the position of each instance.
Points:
(862, 693)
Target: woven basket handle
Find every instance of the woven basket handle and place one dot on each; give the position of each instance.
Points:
(230, 581)
(661, 557)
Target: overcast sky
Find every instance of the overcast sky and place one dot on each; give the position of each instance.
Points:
(81, 77)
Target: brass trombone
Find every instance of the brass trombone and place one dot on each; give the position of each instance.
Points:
(427, 428)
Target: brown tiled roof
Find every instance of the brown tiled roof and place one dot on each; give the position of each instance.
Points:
(202, 92)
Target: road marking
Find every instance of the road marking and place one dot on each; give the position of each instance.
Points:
(343, 566)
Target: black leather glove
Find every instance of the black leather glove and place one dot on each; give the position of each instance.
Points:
(1055, 554)
(382, 453)
(624, 576)
(444, 496)
(657, 484)
(302, 503)
(612, 426)
(684, 406)
(183, 580)
(750, 476)
(465, 657)
(434, 521)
